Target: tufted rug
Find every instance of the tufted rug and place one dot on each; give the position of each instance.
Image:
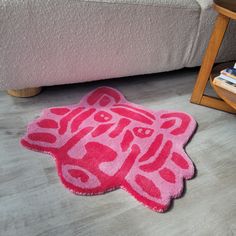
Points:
(105, 142)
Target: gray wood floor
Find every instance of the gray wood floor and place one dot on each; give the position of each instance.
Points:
(33, 201)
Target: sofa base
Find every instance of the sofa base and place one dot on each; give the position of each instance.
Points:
(24, 93)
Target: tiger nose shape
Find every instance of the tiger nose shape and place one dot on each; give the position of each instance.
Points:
(142, 132)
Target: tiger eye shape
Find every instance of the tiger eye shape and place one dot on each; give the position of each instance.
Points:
(143, 132)
(102, 116)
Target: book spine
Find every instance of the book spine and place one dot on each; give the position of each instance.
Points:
(223, 84)
(229, 75)
(228, 78)
(231, 71)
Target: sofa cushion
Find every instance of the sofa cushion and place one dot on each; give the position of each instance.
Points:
(161, 3)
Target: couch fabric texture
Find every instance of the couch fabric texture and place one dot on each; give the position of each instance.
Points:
(68, 41)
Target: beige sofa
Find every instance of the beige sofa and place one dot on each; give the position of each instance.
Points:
(53, 42)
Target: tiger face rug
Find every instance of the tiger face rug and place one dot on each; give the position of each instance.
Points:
(105, 143)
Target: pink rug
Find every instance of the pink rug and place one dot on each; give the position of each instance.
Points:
(106, 142)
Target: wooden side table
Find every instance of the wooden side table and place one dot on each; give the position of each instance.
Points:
(227, 12)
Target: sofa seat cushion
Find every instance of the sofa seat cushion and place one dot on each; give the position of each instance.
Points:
(60, 42)
(161, 3)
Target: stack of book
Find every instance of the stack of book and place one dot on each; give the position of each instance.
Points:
(227, 79)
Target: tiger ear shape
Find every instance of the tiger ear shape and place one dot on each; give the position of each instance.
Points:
(102, 97)
(179, 124)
